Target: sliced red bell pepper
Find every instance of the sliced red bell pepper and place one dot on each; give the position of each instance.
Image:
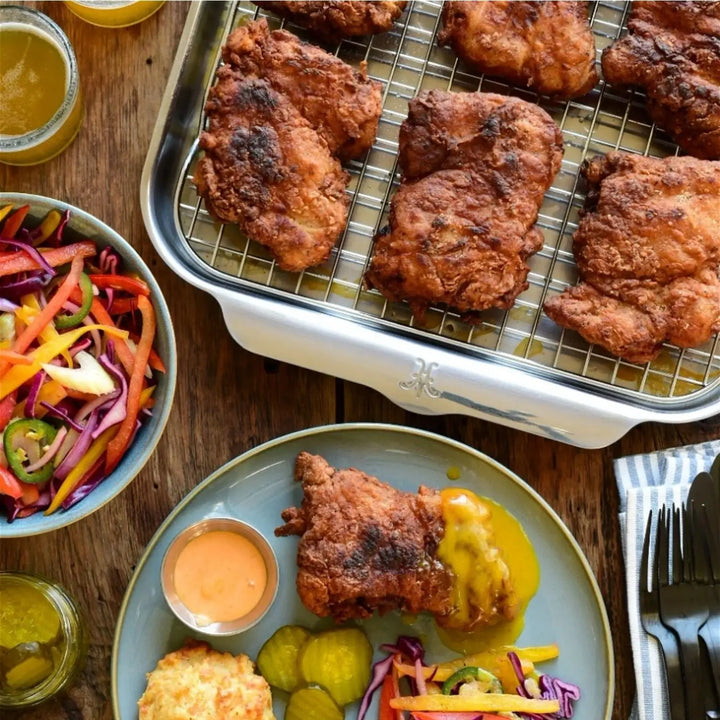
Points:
(385, 712)
(123, 305)
(118, 445)
(15, 262)
(9, 484)
(7, 405)
(121, 282)
(14, 222)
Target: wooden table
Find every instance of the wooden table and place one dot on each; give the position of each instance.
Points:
(123, 73)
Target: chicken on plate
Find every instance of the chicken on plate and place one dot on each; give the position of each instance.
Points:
(462, 224)
(672, 51)
(647, 251)
(366, 546)
(282, 115)
(333, 20)
(547, 46)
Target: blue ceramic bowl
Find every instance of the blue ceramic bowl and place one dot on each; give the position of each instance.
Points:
(83, 224)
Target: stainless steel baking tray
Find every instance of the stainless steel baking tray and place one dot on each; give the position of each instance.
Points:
(517, 367)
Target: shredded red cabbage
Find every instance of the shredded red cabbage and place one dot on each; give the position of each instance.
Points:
(86, 488)
(31, 399)
(550, 688)
(410, 648)
(78, 449)
(15, 290)
(118, 410)
(59, 412)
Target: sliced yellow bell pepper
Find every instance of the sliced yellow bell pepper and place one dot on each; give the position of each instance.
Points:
(482, 702)
(146, 394)
(48, 226)
(86, 462)
(19, 374)
(4, 212)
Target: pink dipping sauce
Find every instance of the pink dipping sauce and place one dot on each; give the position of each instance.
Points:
(220, 576)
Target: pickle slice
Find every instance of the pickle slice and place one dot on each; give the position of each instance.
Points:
(277, 660)
(312, 703)
(338, 660)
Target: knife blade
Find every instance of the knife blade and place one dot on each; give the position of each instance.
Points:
(705, 491)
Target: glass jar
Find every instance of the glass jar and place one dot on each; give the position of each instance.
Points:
(114, 13)
(35, 123)
(43, 642)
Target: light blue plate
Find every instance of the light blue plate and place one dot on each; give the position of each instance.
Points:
(255, 487)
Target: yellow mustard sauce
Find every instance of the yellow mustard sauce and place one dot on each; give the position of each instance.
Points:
(476, 531)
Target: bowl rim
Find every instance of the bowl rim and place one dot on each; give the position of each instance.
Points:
(197, 529)
(126, 471)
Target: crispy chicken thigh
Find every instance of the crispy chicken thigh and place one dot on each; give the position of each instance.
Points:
(364, 545)
(462, 224)
(282, 114)
(333, 20)
(672, 51)
(647, 250)
(547, 46)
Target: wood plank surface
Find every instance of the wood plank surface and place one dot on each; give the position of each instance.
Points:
(229, 400)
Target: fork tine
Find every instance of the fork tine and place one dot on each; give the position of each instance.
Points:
(662, 549)
(688, 555)
(677, 556)
(644, 558)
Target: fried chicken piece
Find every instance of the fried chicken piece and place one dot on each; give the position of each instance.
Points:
(462, 224)
(647, 250)
(672, 51)
(340, 103)
(333, 20)
(365, 546)
(281, 116)
(547, 46)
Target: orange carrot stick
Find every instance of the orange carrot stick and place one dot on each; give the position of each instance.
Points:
(118, 445)
(98, 311)
(45, 316)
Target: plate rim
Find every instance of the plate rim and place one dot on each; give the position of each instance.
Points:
(349, 427)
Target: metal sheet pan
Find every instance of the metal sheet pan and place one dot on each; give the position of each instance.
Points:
(517, 367)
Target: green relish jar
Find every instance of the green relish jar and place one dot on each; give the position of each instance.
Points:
(43, 642)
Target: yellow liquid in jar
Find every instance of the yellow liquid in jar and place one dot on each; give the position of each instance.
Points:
(33, 78)
(115, 13)
(30, 635)
(464, 512)
(36, 84)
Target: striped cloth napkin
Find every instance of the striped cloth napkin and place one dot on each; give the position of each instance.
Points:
(646, 482)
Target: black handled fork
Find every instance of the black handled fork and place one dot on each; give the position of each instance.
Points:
(650, 618)
(682, 608)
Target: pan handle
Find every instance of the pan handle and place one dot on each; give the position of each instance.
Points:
(422, 378)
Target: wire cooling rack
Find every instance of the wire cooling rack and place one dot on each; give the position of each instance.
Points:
(405, 61)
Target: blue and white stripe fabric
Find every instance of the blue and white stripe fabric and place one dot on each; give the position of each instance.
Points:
(645, 483)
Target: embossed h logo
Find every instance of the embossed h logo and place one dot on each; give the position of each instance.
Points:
(421, 380)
